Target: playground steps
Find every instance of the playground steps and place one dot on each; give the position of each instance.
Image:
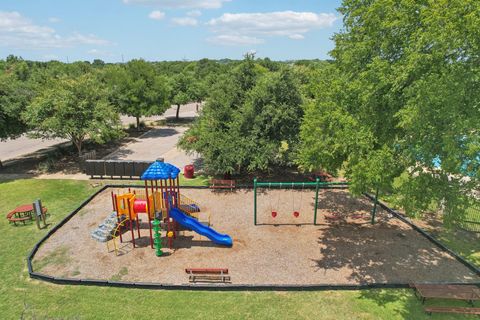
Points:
(103, 232)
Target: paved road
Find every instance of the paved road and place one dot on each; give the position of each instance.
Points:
(157, 143)
(22, 146)
(11, 149)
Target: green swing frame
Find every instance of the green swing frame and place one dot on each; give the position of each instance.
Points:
(317, 184)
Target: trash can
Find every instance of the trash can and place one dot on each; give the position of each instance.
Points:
(189, 171)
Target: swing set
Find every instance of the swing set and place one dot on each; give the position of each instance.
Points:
(296, 212)
(292, 185)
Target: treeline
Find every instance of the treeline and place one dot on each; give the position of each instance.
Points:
(83, 99)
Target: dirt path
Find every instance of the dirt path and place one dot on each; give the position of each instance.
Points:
(156, 143)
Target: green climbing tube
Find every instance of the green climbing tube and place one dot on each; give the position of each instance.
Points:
(157, 241)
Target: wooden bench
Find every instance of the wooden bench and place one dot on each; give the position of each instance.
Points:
(207, 274)
(11, 218)
(466, 292)
(222, 184)
(458, 310)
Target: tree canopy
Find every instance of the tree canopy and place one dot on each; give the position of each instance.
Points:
(398, 107)
(137, 90)
(250, 122)
(74, 109)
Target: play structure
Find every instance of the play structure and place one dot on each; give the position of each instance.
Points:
(164, 208)
(297, 202)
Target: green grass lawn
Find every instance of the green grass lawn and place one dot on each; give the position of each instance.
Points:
(27, 298)
(465, 243)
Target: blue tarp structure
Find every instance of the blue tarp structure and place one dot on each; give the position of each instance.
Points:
(160, 171)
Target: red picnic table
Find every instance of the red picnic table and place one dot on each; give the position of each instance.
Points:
(466, 292)
(22, 213)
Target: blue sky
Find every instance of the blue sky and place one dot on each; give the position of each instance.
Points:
(167, 29)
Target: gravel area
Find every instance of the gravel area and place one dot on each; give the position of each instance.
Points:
(345, 250)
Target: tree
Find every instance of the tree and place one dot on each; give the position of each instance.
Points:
(250, 121)
(74, 109)
(16, 91)
(137, 91)
(181, 90)
(14, 96)
(398, 109)
(198, 91)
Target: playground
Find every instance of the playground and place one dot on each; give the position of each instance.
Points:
(342, 248)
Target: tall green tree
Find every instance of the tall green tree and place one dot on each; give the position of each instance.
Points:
(75, 109)
(16, 91)
(182, 90)
(14, 97)
(398, 108)
(137, 90)
(250, 121)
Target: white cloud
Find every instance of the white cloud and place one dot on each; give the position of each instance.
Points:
(99, 53)
(156, 15)
(78, 38)
(291, 24)
(194, 13)
(184, 22)
(180, 4)
(234, 40)
(49, 57)
(20, 32)
(54, 20)
(297, 36)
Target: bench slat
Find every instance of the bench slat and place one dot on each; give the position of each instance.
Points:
(207, 270)
(223, 184)
(462, 310)
(19, 219)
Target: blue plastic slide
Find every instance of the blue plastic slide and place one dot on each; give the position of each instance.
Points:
(193, 224)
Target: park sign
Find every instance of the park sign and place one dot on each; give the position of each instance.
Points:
(39, 213)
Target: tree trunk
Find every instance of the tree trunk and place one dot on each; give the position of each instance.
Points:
(138, 123)
(178, 112)
(78, 144)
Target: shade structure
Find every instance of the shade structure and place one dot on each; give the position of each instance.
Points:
(160, 171)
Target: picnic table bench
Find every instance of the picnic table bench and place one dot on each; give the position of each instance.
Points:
(22, 213)
(458, 310)
(465, 292)
(12, 216)
(222, 184)
(207, 274)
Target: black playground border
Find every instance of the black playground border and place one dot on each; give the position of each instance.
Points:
(231, 287)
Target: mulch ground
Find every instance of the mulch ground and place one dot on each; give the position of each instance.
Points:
(284, 250)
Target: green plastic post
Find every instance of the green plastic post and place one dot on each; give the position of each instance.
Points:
(157, 240)
(255, 201)
(316, 202)
(374, 210)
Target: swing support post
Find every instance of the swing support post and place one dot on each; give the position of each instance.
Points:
(255, 201)
(374, 209)
(316, 202)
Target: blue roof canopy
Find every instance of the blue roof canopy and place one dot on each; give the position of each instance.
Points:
(160, 171)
